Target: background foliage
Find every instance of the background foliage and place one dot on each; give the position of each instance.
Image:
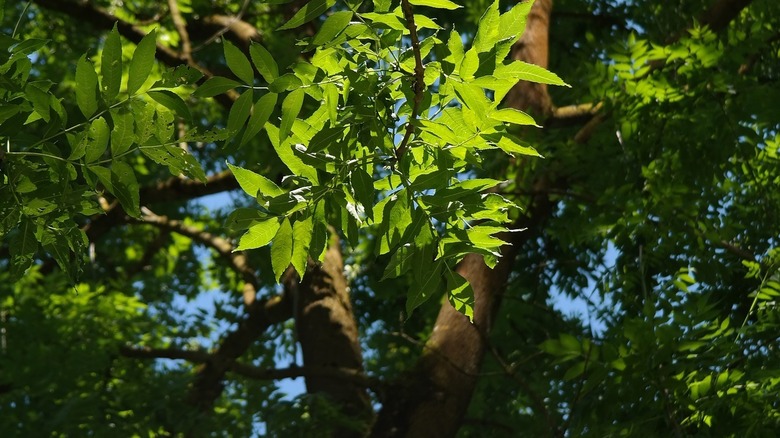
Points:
(641, 298)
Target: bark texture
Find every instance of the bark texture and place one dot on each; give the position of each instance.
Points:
(328, 335)
(533, 48)
(433, 400)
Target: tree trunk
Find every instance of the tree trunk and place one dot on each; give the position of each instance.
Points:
(328, 335)
(432, 401)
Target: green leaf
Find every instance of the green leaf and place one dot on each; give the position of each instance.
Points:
(264, 62)
(487, 32)
(303, 231)
(176, 159)
(242, 218)
(40, 99)
(332, 26)
(523, 71)
(259, 234)
(511, 115)
(120, 181)
(425, 287)
(400, 262)
(214, 86)
(142, 62)
(238, 63)
(22, 247)
(86, 87)
(511, 147)
(126, 187)
(98, 136)
(387, 21)
(111, 66)
(511, 27)
(438, 4)
(331, 96)
(291, 107)
(261, 112)
(395, 218)
(288, 157)
(284, 83)
(310, 11)
(122, 136)
(239, 111)
(281, 249)
(173, 102)
(363, 187)
(460, 294)
(319, 240)
(254, 184)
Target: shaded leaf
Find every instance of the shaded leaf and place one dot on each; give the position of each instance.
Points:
(86, 87)
(264, 62)
(142, 62)
(214, 86)
(238, 62)
(111, 66)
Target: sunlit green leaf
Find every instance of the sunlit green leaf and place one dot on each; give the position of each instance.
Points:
(261, 112)
(308, 12)
(259, 234)
(255, 184)
(302, 236)
(438, 4)
(281, 249)
(291, 106)
(240, 110)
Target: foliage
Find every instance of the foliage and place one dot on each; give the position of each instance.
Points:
(385, 128)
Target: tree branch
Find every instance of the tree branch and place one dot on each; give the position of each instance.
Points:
(181, 28)
(419, 81)
(237, 260)
(353, 376)
(102, 19)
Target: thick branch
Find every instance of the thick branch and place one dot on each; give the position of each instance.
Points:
(722, 12)
(353, 376)
(328, 334)
(260, 315)
(181, 189)
(181, 28)
(237, 260)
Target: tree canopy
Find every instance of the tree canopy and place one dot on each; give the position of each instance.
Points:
(447, 218)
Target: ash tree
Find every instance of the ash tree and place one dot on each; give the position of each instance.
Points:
(396, 202)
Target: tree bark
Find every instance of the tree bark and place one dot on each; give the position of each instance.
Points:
(533, 48)
(433, 400)
(328, 335)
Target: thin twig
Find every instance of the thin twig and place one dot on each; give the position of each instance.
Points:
(226, 28)
(419, 81)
